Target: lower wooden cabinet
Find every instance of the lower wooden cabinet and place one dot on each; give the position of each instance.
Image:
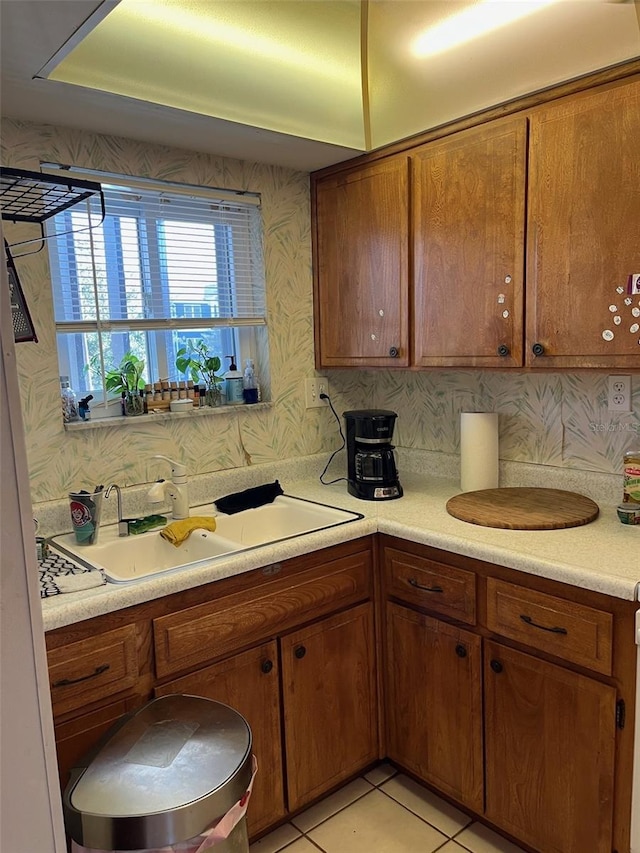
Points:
(250, 683)
(531, 738)
(434, 712)
(291, 647)
(501, 691)
(330, 703)
(550, 746)
(75, 738)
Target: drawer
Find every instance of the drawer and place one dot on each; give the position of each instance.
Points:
(435, 586)
(190, 637)
(91, 669)
(576, 633)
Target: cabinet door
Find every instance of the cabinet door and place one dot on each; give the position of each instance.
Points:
(550, 742)
(330, 705)
(434, 702)
(76, 737)
(468, 227)
(362, 266)
(583, 227)
(248, 682)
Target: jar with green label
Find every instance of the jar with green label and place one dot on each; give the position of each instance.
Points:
(631, 470)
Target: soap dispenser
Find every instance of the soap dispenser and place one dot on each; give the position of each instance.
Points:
(233, 382)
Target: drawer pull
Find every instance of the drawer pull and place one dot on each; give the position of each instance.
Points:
(66, 681)
(300, 652)
(267, 666)
(496, 666)
(414, 583)
(533, 624)
(461, 651)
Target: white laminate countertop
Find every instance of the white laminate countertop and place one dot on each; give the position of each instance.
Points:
(603, 556)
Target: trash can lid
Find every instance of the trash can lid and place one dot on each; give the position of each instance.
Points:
(166, 774)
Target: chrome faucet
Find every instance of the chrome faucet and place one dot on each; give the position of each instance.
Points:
(123, 524)
(176, 489)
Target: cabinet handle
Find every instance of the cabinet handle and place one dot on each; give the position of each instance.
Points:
(503, 350)
(394, 352)
(537, 349)
(533, 624)
(496, 666)
(267, 666)
(300, 652)
(414, 583)
(461, 651)
(66, 681)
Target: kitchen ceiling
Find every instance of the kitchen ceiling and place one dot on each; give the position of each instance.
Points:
(299, 83)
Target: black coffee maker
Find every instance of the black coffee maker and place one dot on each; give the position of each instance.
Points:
(371, 465)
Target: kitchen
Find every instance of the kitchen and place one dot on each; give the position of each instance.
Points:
(560, 421)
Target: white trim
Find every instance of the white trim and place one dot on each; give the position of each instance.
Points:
(29, 794)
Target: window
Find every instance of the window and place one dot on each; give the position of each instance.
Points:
(168, 264)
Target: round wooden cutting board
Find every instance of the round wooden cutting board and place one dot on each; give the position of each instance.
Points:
(523, 508)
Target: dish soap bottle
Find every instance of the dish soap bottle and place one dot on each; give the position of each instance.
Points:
(69, 401)
(250, 383)
(233, 382)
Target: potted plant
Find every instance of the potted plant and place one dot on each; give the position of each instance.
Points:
(196, 361)
(126, 380)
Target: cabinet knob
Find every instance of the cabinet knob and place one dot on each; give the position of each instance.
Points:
(537, 349)
(267, 666)
(300, 652)
(503, 350)
(461, 651)
(394, 352)
(496, 666)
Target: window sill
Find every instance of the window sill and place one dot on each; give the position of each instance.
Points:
(160, 417)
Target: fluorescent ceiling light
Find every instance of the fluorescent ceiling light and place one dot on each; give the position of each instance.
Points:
(477, 20)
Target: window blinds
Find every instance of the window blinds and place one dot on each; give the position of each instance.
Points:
(161, 259)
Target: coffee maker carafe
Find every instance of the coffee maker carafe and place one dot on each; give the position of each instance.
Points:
(371, 466)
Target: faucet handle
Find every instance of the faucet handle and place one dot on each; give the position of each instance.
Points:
(178, 469)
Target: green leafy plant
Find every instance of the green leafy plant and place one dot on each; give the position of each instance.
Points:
(196, 361)
(126, 376)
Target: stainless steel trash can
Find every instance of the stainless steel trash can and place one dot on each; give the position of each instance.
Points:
(162, 776)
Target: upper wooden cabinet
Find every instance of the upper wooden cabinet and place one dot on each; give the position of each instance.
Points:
(516, 240)
(468, 210)
(583, 230)
(361, 264)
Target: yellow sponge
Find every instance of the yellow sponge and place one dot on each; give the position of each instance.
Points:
(178, 531)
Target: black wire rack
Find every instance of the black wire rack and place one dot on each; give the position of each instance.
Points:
(35, 197)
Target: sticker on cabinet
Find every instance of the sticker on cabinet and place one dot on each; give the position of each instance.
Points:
(633, 284)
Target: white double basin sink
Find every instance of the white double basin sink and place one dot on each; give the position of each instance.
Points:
(129, 559)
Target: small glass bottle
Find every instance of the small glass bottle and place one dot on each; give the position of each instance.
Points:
(250, 383)
(69, 401)
(631, 472)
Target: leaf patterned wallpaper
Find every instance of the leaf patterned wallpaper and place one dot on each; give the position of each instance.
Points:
(559, 420)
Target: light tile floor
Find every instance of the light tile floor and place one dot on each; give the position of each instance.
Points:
(383, 812)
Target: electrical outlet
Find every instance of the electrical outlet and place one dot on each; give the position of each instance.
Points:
(312, 390)
(619, 393)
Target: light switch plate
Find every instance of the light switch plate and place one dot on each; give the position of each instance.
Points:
(312, 390)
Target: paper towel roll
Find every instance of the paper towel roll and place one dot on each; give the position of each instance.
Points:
(478, 451)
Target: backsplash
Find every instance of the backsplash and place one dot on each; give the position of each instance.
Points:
(545, 419)
(558, 420)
